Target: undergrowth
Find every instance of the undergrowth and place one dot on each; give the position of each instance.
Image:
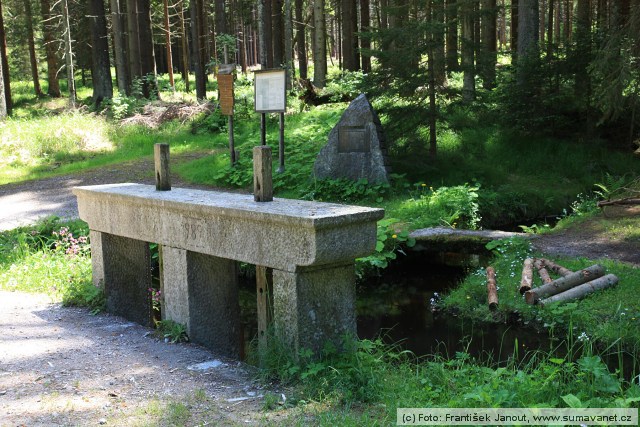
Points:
(51, 257)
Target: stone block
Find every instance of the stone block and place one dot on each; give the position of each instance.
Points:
(315, 305)
(127, 276)
(356, 148)
(174, 285)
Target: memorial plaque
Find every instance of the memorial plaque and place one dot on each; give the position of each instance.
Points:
(353, 140)
(270, 96)
(225, 87)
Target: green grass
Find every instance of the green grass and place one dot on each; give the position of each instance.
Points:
(609, 317)
(50, 257)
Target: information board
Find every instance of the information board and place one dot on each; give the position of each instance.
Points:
(270, 90)
(225, 87)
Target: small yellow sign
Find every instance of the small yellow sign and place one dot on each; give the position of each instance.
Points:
(225, 88)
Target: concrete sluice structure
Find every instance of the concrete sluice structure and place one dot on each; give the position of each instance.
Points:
(311, 248)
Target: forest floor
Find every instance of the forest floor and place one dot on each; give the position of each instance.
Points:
(64, 366)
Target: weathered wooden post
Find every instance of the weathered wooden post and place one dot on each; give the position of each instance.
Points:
(492, 289)
(262, 176)
(263, 192)
(161, 160)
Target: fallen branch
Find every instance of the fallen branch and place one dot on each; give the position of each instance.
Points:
(564, 283)
(623, 201)
(542, 271)
(582, 290)
(558, 269)
(492, 289)
(527, 276)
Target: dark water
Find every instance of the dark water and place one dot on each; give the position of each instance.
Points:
(399, 308)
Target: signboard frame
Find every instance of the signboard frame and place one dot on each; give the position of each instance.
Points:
(269, 82)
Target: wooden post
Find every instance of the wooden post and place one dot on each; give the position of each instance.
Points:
(542, 271)
(264, 291)
(262, 177)
(582, 290)
(558, 269)
(161, 160)
(263, 129)
(564, 283)
(492, 289)
(232, 149)
(263, 192)
(527, 276)
(281, 144)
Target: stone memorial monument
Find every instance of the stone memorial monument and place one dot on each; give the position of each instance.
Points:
(356, 147)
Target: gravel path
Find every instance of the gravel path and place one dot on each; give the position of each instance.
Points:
(64, 366)
(25, 202)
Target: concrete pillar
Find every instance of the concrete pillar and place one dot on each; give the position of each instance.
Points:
(97, 261)
(314, 305)
(126, 271)
(174, 285)
(213, 306)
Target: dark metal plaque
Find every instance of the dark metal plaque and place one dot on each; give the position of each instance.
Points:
(353, 140)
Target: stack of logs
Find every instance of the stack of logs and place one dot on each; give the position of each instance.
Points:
(571, 285)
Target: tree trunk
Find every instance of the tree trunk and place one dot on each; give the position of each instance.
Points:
(133, 39)
(320, 45)
(101, 68)
(32, 50)
(184, 41)
(120, 53)
(365, 41)
(433, 143)
(452, 35)
(221, 17)
(147, 53)
(550, 27)
(492, 289)
(583, 51)
(5, 66)
(198, 52)
(261, 33)
(288, 42)
(542, 271)
(514, 31)
(348, 35)
(439, 62)
(528, 15)
(557, 269)
(3, 102)
(268, 32)
(489, 44)
(68, 54)
(526, 281)
(301, 46)
(582, 290)
(564, 283)
(278, 32)
(468, 68)
(167, 35)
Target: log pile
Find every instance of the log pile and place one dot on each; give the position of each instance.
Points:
(569, 286)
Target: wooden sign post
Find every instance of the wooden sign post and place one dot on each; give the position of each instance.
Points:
(270, 97)
(225, 89)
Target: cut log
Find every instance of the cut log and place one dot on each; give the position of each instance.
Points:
(527, 276)
(558, 269)
(582, 290)
(624, 201)
(542, 271)
(564, 283)
(492, 289)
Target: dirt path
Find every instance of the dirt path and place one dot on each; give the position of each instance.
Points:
(25, 202)
(64, 366)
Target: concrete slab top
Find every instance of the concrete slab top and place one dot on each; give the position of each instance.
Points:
(300, 212)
